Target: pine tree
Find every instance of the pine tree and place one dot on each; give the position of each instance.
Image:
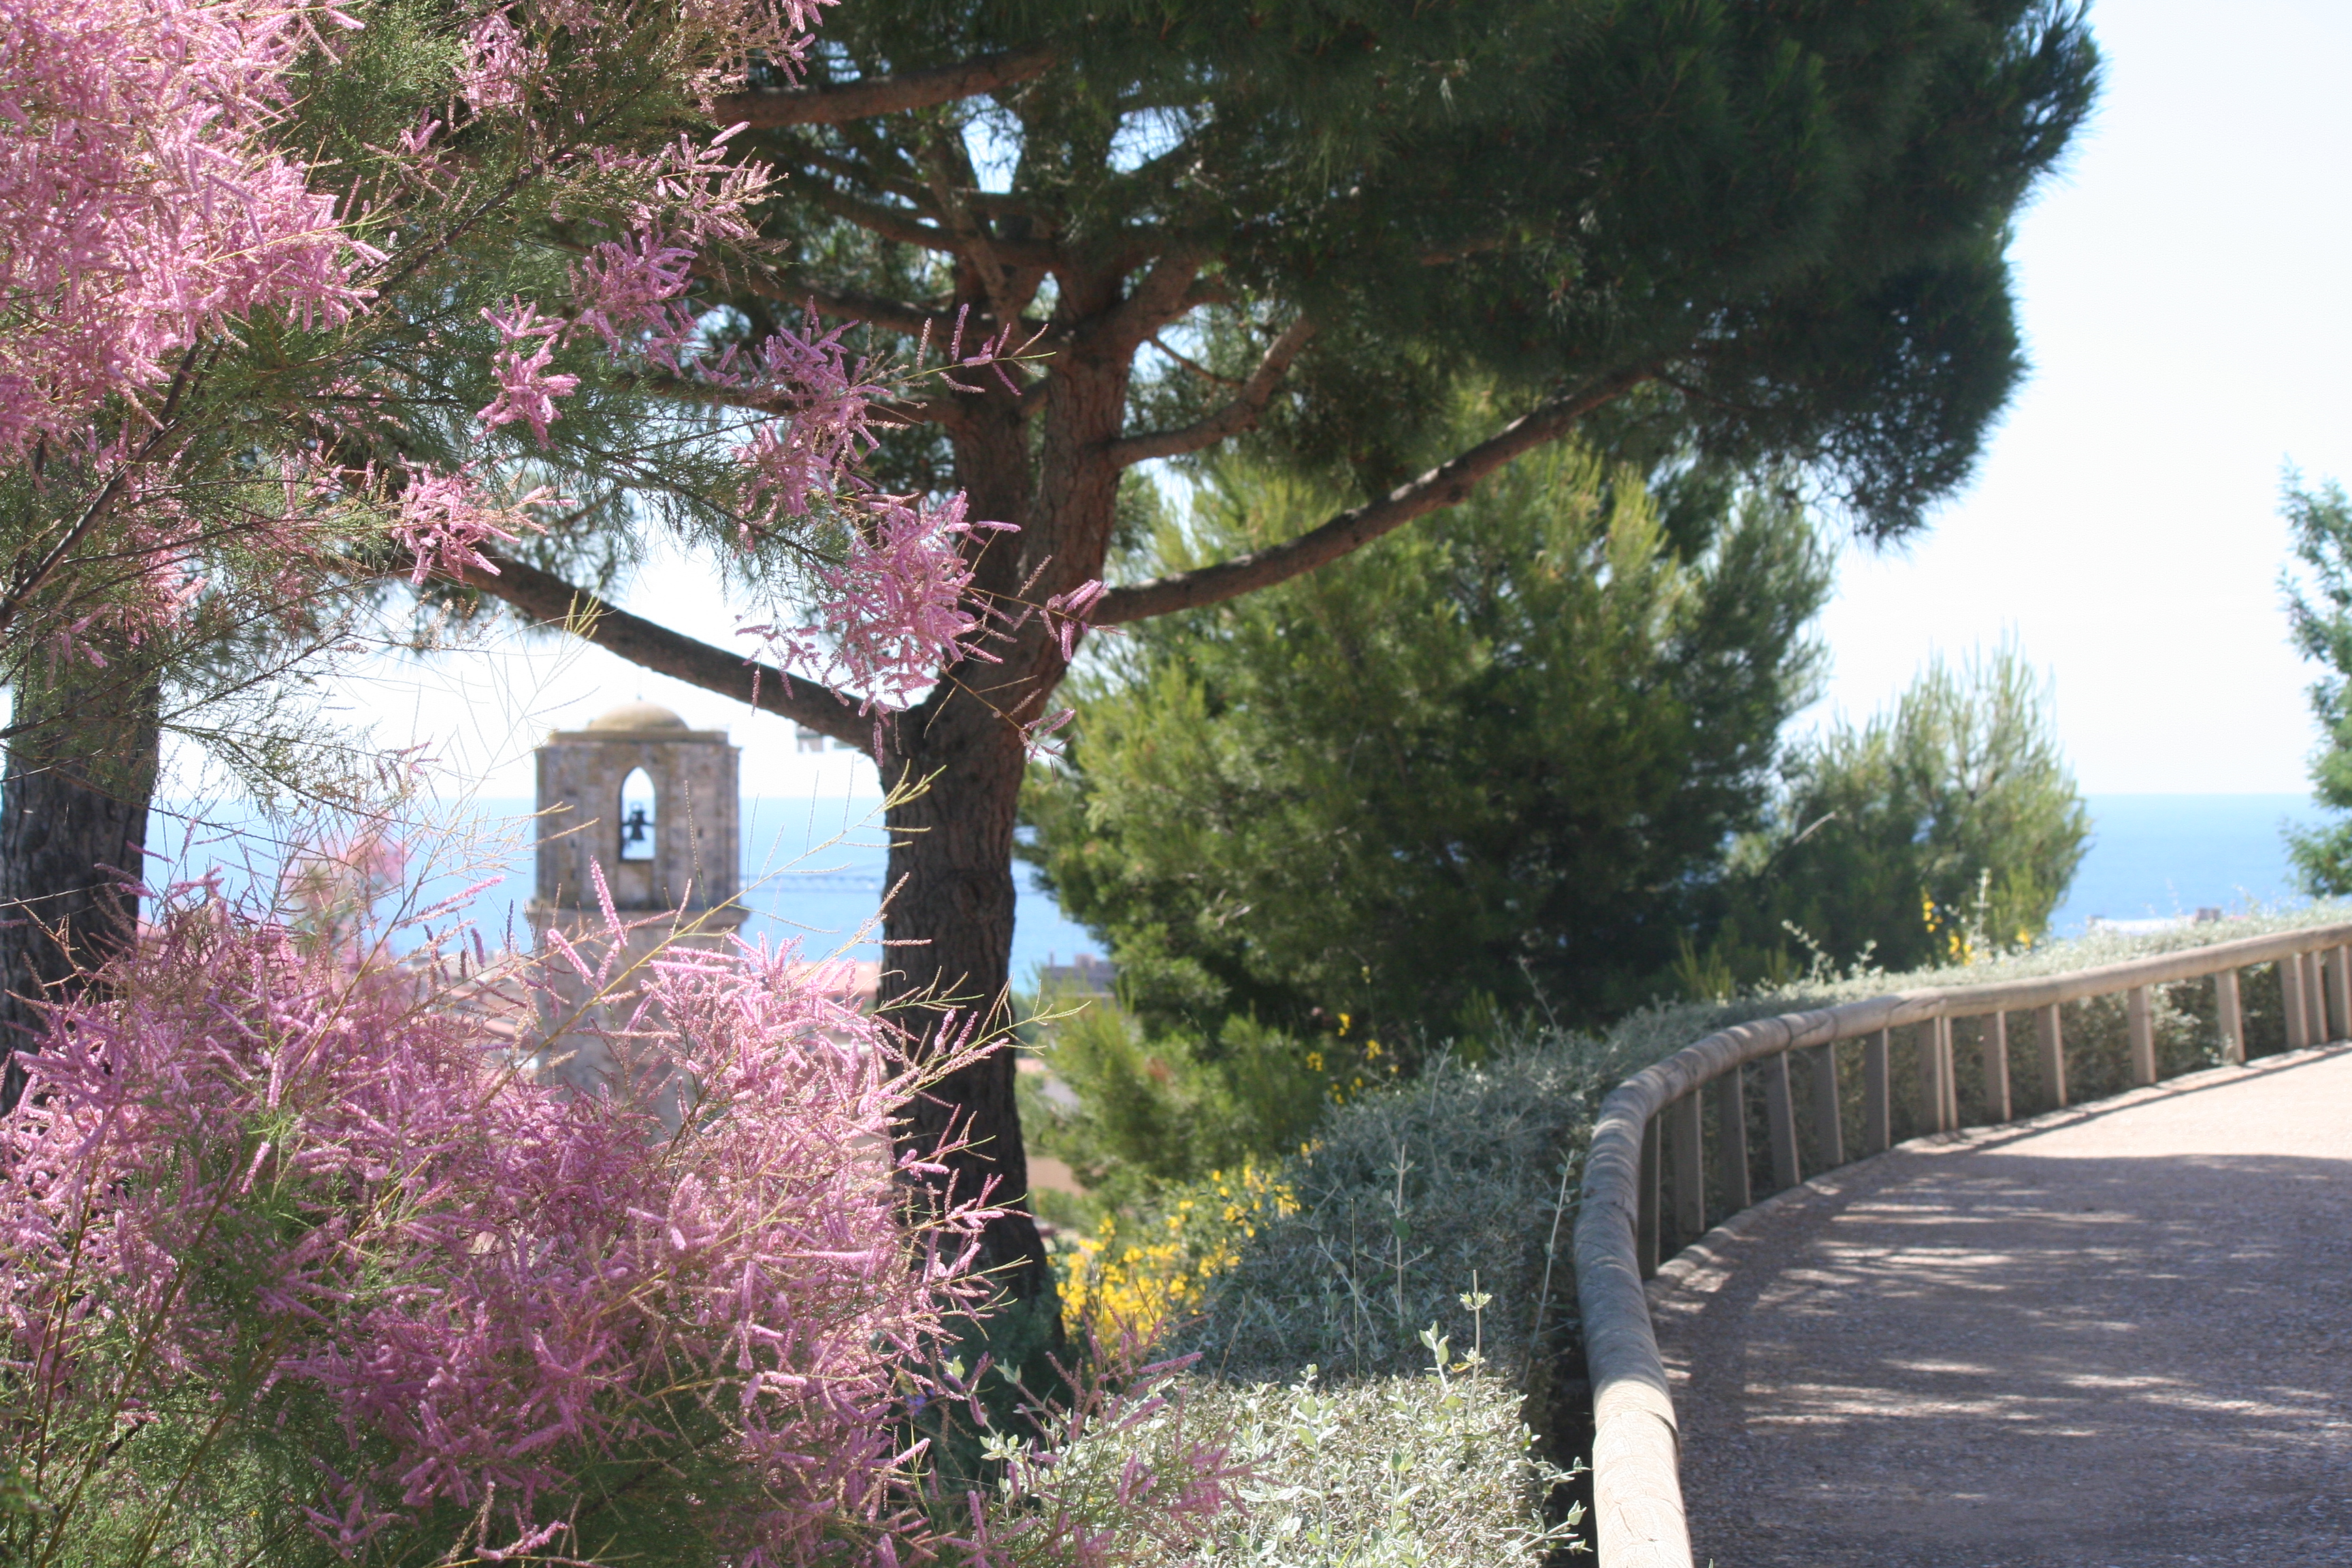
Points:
(1459, 774)
(1301, 228)
(1945, 826)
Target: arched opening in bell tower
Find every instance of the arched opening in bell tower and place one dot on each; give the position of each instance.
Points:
(639, 815)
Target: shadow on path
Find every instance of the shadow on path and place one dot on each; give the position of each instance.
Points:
(2123, 1340)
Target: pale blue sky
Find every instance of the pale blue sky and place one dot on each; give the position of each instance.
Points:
(2182, 298)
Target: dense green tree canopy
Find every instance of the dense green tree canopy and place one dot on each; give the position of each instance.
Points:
(1948, 824)
(1495, 766)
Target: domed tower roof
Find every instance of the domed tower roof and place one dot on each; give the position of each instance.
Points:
(636, 717)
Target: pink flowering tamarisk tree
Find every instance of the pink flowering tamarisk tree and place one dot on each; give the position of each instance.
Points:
(298, 1264)
(297, 299)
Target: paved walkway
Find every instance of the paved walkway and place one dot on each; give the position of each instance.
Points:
(2116, 1337)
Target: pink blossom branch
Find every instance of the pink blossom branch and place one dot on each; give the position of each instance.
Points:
(36, 574)
(496, 1284)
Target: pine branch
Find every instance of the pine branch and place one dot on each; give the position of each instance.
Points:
(1241, 412)
(548, 600)
(908, 227)
(1163, 294)
(837, 102)
(941, 410)
(858, 172)
(788, 289)
(899, 223)
(920, 193)
(1448, 484)
(948, 166)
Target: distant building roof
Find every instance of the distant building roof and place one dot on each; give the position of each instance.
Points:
(637, 715)
(1086, 976)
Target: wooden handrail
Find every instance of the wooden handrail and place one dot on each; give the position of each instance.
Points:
(1638, 1519)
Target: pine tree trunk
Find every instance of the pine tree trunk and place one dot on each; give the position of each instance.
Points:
(949, 931)
(73, 821)
(950, 921)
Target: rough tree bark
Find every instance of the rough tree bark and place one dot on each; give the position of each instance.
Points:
(73, 822)
(948, 925)
(949, 931)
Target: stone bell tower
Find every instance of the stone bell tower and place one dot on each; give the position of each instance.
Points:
(655, 805)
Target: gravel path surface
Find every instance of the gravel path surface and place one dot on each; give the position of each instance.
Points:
(2118, 1336)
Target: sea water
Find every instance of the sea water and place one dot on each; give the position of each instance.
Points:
(814, 870)
(2158, 857)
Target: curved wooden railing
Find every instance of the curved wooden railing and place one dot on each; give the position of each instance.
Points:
(1647, 1149)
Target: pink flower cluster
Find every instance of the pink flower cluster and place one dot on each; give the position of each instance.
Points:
(496, 63)
(627, 291)
(274, 1172)
(797, 460)
(526, 388)
(901, 606)
(446, 518)
(502, 62)
(141, 203)
(624, 288)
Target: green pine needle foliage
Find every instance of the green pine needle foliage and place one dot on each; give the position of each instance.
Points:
(2319, 610)
(1947, 826)
(1473, 769)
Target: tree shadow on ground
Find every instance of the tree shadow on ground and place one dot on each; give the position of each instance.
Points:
(1996, 1358)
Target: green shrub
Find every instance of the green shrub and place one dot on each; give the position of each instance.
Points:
(1153, 1111)
(1947, 823)
(1315, 1318)
(1394, 1473)
(1472, 1169)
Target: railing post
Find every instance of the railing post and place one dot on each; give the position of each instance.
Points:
(2315, 1001)
(1731, 1123)
(1683, 1122)
(1877, 1110)
(2048, 1034)
(2143, 1035)
(2316, 992)
(2229, 1018)
(1948, 1082)
(1645, 1230)
(2298, 1020)
(1929, 1037)
(2340, 992)
(1780, 1117)
(1996, 1066)
(1826, 1130)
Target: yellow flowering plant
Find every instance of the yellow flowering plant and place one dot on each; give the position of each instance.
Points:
(1137, 1279)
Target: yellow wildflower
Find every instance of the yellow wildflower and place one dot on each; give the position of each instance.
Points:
(1116, 1289)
